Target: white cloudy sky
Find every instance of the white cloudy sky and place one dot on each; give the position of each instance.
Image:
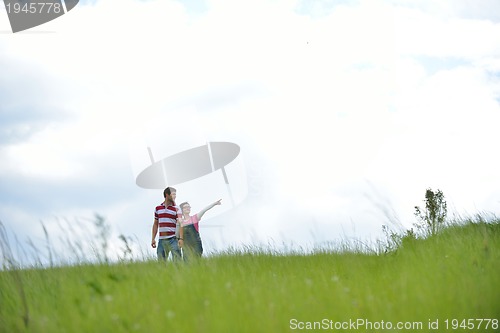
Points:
(345, 112)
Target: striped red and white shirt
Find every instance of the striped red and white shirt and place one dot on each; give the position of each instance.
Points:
(167, 220)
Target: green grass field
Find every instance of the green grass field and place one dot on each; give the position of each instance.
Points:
(449, 282)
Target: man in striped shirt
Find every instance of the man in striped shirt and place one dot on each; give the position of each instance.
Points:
(167, 216)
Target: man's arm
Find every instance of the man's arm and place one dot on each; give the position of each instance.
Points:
(181, 233)
(204, 210)
(154, 232)
(180, 241)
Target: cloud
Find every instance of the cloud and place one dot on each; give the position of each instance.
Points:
(27, 104)
(484, 10)
(419, 33)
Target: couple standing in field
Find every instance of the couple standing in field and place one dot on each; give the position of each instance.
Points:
(177, 229)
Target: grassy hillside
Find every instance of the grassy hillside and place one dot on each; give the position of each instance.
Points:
(436, 282)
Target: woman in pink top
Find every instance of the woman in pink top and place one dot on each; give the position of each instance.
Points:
(192, 242)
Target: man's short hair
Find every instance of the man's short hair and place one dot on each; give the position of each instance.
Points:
(168, 191)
